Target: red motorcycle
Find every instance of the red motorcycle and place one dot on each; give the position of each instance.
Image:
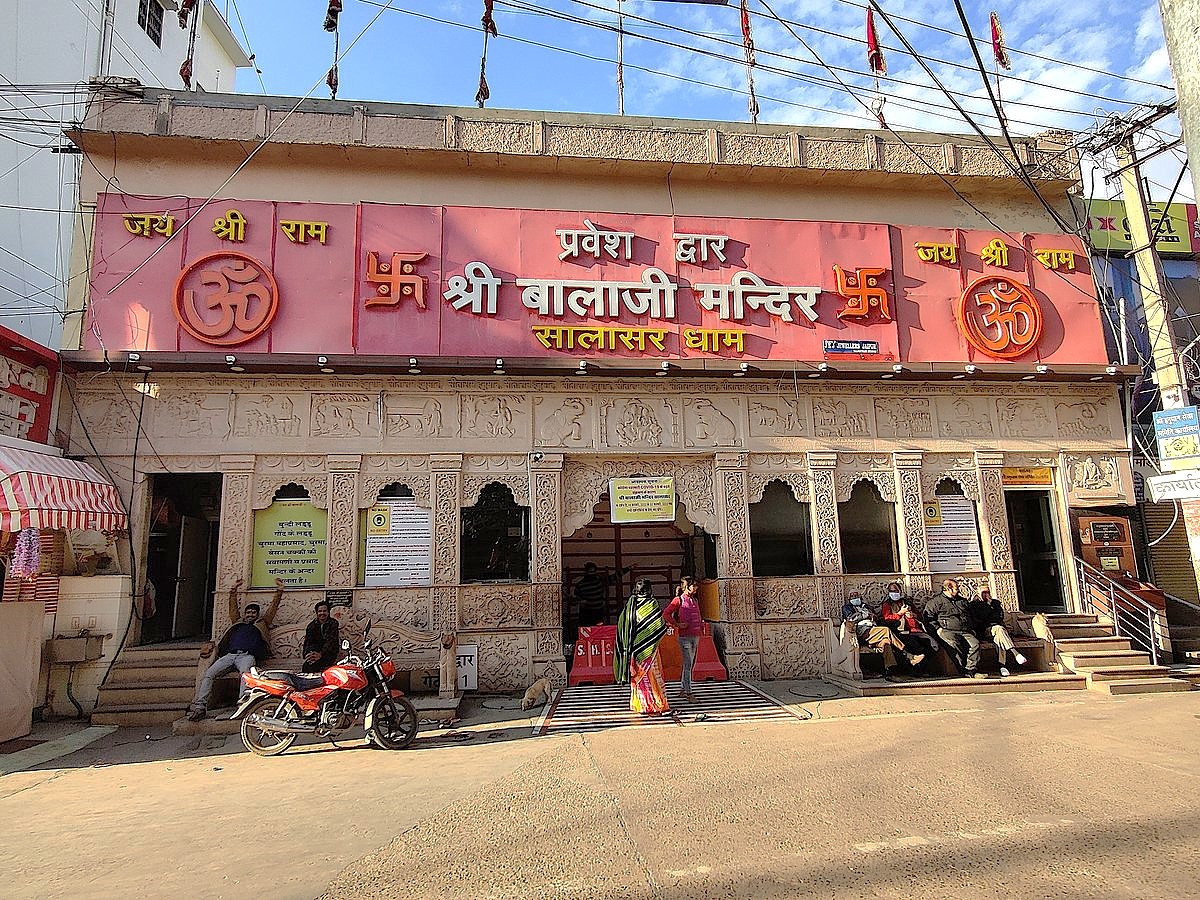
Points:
(279, 705)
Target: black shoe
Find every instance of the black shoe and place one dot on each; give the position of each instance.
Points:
(195, 715)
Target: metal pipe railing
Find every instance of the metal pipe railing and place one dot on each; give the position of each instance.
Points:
(1132, 617)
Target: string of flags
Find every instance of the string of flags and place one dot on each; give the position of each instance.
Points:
(331, 24)
(489, 30)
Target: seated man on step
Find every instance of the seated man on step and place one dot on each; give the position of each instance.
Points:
(857, 614)
(244, 643)
(947, 614)
(987, 615)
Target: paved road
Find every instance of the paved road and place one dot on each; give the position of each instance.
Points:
(1024, 796)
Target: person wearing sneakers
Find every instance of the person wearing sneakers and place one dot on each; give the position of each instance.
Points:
(683, 614)
(870, 633)
(951, 621)
(988, 617)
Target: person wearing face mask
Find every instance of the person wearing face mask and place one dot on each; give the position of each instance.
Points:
(870, 633)
(900, 614)
(948, 613)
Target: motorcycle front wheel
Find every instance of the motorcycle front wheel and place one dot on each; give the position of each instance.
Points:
(393, 723)
(268, 743)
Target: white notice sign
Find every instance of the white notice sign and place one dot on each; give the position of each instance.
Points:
(953, 535)
(468, 667)
(399, 544)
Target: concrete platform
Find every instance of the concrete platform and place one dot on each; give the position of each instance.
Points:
(903, 685)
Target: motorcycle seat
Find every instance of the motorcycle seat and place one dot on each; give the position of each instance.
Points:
(301, 681)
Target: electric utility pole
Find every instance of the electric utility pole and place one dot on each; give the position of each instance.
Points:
(1181, 28)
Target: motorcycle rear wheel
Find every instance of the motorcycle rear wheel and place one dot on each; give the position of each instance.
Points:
(267, 743)
(394, 724)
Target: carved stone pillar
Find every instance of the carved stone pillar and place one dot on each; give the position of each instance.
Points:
(822, 467)
(237, 531)
(447, 516)
(735, 568)
(993, 524)
(342, 541)
(914, 544)
(546, 493)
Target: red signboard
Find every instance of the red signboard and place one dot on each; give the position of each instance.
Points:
(28, 372)
(430, 281)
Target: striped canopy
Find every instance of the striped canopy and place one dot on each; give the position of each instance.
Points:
(42, 491)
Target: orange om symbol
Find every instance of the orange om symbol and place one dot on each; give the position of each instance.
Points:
(999, 317)
(239, 309)
(863, 291)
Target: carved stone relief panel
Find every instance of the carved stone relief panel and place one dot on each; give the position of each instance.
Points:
(737, 599)
(269, 415)
(406, 606)
(505, 661)
(833, 595)
(343, 415)
(1086, 419)
(965, 417)
(912, 516)
(474, 483)
(547, 606)
(736, 545)
(743, 636)
(379, 471)
(745, 666)
(798, 483)
(564, 421)
(842, 417)
(446, 511)
(779, 417)
(420, 416)
(234, 552)
(554, 669)
(495, 606)
(795, 649)
(903, 417)
(547, 550)
(492, 415)
(341, 570)
(1024, 418)
(445, 608)
(885, 483)
(191, 414)
(266, 484)
(937, 468)
(995, 515)
(712, 422)
(787, 598)
(105, 416)
(829, 541)
(584, 482)
(1097, 478)
(640, 422)
(177, 464)
(549, 644)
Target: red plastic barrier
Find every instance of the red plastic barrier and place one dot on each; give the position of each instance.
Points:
(594, 655)
(708, 665)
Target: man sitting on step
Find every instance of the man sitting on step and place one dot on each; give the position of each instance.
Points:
(870, 633)
(987, 615)
(245, 642)
(948, 615)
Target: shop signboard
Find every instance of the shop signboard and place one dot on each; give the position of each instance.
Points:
(1174, 486)
(461, 282)
(1178, 234)
(1178, 434)
(289, 543)
(399, 544)
(28, 373)
(642, 500)
(953, 535)
(1027, 476)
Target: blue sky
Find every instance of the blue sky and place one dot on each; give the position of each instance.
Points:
(558, 55)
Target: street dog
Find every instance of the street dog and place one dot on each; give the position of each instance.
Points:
(535, 694)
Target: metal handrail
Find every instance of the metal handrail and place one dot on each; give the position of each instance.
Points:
(1132, 617)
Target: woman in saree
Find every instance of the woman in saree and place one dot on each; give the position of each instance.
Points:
(635, 659)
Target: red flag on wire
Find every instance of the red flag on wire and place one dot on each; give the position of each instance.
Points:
(747, 40)
(875, 60)
(489, 24)
(998, 48)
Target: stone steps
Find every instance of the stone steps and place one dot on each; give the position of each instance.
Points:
(1033, 681)
(1086, 660)
(1071, 632)
(1054, 619)
(151, 692)
(1077, 645)
(1140, 686)
(1121, 673)
(150, 685)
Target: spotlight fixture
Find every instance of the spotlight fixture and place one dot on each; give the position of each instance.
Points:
(897, 368)
(413, 368)
(322, 360)
(499, 370)
(1029, 377)
(814, 374)
(823, 367)
(663, 368)
(741, 370)
(582, 370)
(323, 365)
(970, 368)
(958, 376)
(1110, 370)
(134, 357)
(230, 359)
(888, 375)
(1096, 378)
(1042, 369)
(140, 366)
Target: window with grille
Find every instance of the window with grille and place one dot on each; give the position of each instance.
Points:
(150, 17)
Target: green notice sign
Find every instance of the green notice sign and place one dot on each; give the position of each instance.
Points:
(289, 543)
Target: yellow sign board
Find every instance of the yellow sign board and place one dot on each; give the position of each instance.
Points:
(933, 512)
(642, 499)
(1017, 476)
(1175, 224)
(289, 543)
(379, 521)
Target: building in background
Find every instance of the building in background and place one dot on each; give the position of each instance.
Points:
(50, 52)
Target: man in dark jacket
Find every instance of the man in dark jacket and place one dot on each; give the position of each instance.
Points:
(947, 613)
(244, 642)
(321, 640)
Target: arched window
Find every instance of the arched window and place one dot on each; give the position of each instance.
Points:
(395, 543)
(495, 537)
(867, 526)
(780, 533)
(290, 539)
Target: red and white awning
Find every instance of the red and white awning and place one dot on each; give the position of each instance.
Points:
(42, 491)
